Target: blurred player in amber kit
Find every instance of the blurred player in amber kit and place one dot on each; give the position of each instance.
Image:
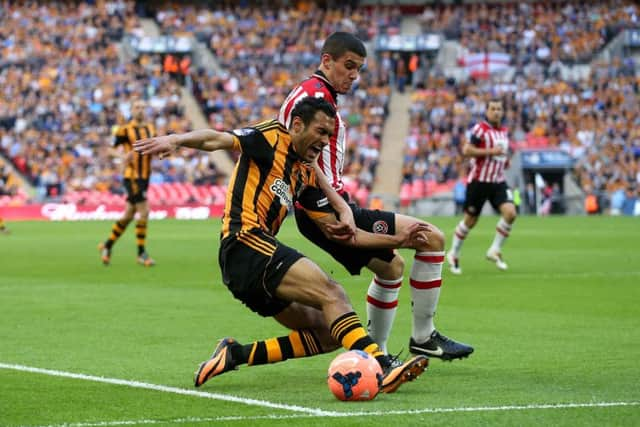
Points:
(3, 227)
(4, 189)
(488, 148)
(136, 181)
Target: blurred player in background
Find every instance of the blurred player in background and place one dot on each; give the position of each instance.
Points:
(275, 170)
(3, 227)
(4, 189)
(489, 151)
(341, 61)
(136, 181)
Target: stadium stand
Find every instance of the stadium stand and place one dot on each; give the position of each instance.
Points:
(265, 49)
(64, 91)
(593, 118)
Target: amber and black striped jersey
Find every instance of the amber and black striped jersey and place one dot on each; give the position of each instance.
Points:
(126, 135)
(268, 178)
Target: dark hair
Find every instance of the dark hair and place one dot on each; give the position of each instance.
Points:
(340, 42)
(495, 100)
(307, 108)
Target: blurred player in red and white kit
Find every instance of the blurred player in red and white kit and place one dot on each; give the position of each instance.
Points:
(489, 151)
(342, 58)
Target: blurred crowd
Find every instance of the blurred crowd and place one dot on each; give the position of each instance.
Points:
(64, 88)
(567, 31)
(264, 50)
(594, 119)
(65, 85)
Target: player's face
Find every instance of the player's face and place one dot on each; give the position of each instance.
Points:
(495, 113)
(309, 141)
(137, 111)
(343, 71)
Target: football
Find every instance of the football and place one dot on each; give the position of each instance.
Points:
(354, 375)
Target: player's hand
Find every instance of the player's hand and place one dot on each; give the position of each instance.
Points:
(345, 228)
(163, 146)
(414, 236)
(498, 151)
(341, 231)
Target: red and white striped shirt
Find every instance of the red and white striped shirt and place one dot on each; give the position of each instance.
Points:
(331, 160)
(489, 168)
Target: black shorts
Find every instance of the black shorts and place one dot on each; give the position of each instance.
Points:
(479, 192)
(353, 259)
(136, 189)
(253, 276)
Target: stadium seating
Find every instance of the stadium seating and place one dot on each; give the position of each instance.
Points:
(263, 43)
(63, 93)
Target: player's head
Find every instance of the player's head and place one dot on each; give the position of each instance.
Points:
(341, 60)
(137, 109)
(495, 111)
(312, 124)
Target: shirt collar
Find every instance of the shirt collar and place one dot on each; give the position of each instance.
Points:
(319, 74)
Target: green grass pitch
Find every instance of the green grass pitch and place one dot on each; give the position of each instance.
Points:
(557, 336)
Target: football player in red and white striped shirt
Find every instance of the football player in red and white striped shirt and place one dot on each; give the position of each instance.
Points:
(489, 150)
(342, 58)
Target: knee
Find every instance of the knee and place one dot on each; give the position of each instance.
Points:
(438, 240)
(510, 215)
(144, 213)
(435, 240)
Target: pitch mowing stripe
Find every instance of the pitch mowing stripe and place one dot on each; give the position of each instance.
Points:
(347, 414)
(167, 389)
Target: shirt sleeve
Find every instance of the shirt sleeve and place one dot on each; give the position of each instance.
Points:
(120, 136)
(252, 142)
(476, 135)
(315, 202)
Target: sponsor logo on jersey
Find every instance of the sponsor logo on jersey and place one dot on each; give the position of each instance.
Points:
(380, 227)
(322, 202)
(243, 131)
(281, 189)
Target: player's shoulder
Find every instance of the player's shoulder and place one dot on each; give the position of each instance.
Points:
(269, 130)
(121, 129)
(482, 125)
(271, 125)
(314, 86)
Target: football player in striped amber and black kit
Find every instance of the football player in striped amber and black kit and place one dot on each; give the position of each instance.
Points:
(275, 169)
(136, 181)
(341, 60)
(488, 148)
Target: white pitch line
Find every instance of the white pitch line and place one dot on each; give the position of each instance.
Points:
(167, 389)
(346, 414)
(301, 412)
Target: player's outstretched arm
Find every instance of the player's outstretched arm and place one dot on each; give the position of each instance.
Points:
(203, 139)
(410, 237)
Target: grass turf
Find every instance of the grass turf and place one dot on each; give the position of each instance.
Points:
(560, 327)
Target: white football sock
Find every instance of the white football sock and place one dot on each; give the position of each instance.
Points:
(503, 229)
(382, 304)
(425, 279)
(459, 235)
